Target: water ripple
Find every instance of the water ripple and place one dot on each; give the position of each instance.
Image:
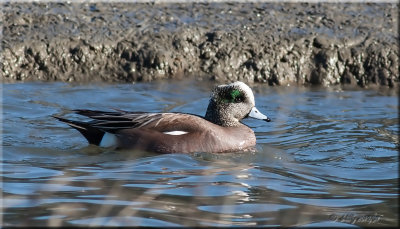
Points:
(328, 154)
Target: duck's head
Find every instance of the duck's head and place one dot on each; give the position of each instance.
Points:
(231, 103)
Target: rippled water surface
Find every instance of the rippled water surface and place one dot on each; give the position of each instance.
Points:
(328, 158)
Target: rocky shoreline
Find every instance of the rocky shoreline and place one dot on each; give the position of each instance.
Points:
(274, 43)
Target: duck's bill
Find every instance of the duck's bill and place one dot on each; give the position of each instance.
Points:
(255, 113)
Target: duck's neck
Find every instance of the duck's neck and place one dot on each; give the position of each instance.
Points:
(214, 115)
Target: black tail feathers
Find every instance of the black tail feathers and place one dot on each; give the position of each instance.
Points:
(92, 134)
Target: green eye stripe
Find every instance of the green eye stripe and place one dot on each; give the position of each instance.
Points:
(233, 96)
(235, 93)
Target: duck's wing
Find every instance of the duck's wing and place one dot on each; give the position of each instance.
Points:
(111, 121)
(133, 124)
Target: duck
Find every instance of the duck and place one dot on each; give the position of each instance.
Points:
(219, 131)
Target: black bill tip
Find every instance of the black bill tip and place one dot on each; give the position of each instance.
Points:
(267, 120)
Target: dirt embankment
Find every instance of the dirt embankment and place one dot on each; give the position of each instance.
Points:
(275, 43)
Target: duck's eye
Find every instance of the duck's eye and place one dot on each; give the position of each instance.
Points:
(234, 96)
(237, 96)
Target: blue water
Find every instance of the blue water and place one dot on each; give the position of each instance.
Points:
(328, 158)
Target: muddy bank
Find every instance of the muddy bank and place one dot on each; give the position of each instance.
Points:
(274, 43)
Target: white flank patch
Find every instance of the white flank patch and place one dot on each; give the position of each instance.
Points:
(108, 140)
(176, 132)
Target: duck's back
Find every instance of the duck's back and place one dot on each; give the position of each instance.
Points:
(184, 133)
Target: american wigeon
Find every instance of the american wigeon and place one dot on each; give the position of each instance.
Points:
(219, 131)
